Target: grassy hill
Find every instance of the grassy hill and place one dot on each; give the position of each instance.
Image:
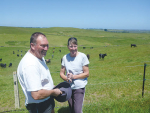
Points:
(20, 36)
(115, 83)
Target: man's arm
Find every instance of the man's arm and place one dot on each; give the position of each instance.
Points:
(41, 94)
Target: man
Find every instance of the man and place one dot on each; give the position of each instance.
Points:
(35, 78)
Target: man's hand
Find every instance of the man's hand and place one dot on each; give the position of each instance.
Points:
(56, 92)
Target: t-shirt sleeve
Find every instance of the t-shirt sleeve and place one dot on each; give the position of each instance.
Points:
(85, 60)
(63, 61)
(32, 78)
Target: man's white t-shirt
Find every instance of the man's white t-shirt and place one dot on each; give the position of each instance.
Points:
(75, 65)
(33, 75)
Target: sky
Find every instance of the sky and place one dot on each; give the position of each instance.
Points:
(102, 14)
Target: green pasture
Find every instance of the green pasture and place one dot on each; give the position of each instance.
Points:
(114, 84)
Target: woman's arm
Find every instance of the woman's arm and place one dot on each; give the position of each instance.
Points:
(62, 74)
(83, 75)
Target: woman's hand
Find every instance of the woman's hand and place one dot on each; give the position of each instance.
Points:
(69, 77)
(69, 80)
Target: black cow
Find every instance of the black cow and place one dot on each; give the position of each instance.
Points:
(133, 45)
(88, 56)
(17, 55)
(3, 65)
(13, 52)
(84, 47)
(10, 64)
(48, 60)
(102, 55)
(59, 50)
(1, 59)
(91, 47)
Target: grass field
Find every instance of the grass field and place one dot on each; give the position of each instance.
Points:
(114, 84)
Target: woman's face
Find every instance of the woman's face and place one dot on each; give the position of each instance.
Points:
(73, 48)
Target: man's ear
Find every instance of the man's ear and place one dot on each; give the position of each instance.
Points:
(32, 46)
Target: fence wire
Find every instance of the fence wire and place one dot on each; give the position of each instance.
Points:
(7, 96)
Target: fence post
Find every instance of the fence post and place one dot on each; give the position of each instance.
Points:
(143, 79)
(16, 90)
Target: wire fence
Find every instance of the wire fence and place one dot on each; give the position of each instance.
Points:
(8, 97)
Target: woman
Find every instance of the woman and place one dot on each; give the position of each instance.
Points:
(75, 64)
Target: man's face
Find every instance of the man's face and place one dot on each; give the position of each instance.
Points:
(41, 47)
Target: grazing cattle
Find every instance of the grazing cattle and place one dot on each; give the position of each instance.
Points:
(52, 55)
(102, 55)
(1, 59)
(3, 65)
(10, 64)
(59, 50)
(133, 45)
(17, 55)
(91, 47)
(88, 56)
(13, 52)
(48, 60)
(84, 47)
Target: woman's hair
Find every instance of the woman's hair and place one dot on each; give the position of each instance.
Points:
(72, 40)
(34, 37)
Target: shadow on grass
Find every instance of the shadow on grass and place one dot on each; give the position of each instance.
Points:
(63, 110)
